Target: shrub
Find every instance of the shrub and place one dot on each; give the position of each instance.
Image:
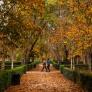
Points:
(8, 64)
(69, 73)
(55, 64)
(84, 78)
(21, 70)
(5, 80)
(32, 65)
(61, 68)
(6, 76)
(81, 66)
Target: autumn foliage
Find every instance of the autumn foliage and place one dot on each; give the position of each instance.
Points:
(46, 28)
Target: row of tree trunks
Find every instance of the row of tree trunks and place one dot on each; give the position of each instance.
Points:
(86, 58)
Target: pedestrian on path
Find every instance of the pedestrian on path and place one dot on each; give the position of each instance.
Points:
(44, 65)
(48, 64)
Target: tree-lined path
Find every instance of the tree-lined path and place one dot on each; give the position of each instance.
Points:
(33, 30)
(37, 81)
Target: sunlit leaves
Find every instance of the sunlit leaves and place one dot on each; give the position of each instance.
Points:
(74, 26)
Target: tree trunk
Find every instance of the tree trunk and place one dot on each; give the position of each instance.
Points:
(73, 63)
(89, 63)
(33, 58)
(12, 64)
(84, 60)
(3, 64)
(84, 57)
(89, 58)
(12, 57)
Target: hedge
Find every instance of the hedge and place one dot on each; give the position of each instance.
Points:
(84, 78)
(81, 66)
(61, 68)
(6, 76)
(29, 66)
(55, 64)
(32, 65)
(8, 64)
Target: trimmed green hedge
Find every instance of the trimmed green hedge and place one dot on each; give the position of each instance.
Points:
(55, 64)
(8, 64)
(84, 78)
(81, 66)
(61, 68)
(6, 76)
(32, 65)
(29, 66)
(68, 73)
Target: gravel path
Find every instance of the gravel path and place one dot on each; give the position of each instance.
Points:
(37, 81)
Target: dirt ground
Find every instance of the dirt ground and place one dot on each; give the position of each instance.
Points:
(38, 81)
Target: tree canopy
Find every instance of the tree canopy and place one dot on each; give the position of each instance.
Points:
(48, 27)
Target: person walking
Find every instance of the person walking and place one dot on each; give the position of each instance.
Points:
(48, 64)
(44, 65)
